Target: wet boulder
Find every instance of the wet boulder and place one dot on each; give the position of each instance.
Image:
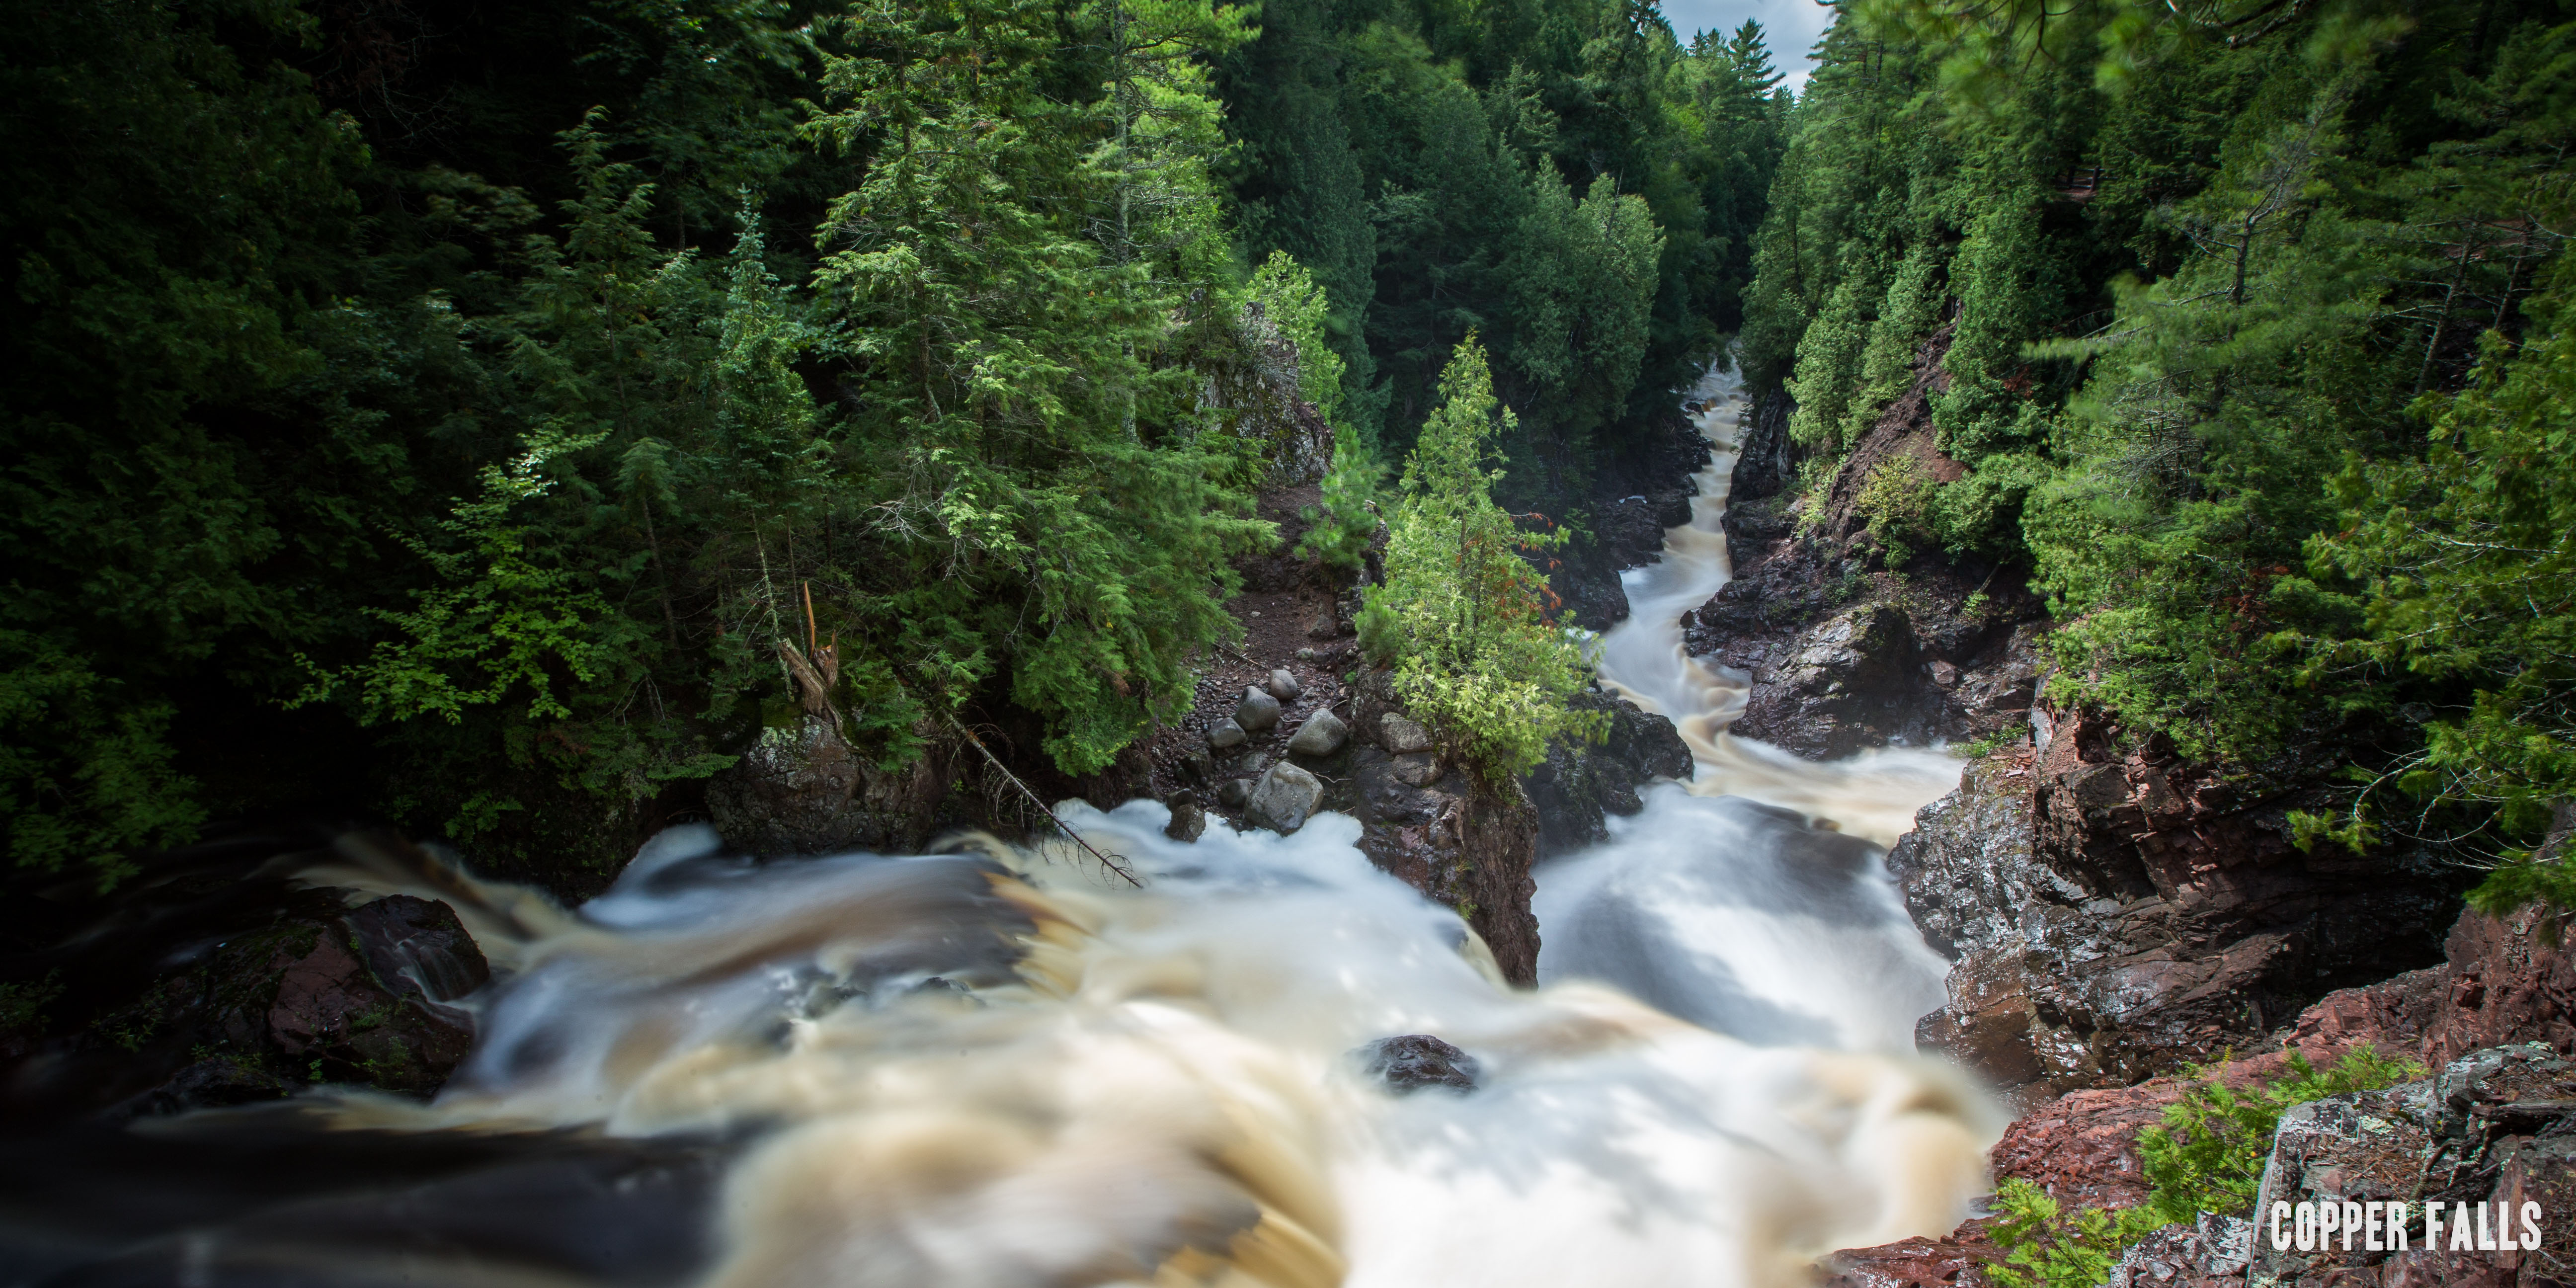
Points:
(1188, 820)
(1417, 1060)
(1581, 783)
(331, 1009)
(1284, 799)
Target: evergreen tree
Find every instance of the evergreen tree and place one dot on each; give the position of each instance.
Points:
(1461, 616)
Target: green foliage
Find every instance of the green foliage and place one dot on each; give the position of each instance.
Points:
(2048, 1247)
(1569, 180)
(1461, 615)
(2468, 557)
(1898, 501)
(2207, 1156)
(1300, 310)
(1347, 520)
(504, 624)
(86, 773)
(514, 480)
(2206, 285)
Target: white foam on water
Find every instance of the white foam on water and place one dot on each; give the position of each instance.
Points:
(1005, 1071)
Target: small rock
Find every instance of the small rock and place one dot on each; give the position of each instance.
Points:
(1417, 1060)
(1323, 626)
(1257, 711)
(1229, 733)
(1321, 735)
(1399, 735)
(1284, 799)
(1305, 655)
(1233, 792)
(1417, 769)
(1199, 767)
(1284, 686)
(1188, 820)
(1945, 675)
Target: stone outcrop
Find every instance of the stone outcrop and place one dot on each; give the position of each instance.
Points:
(802, 789)
(2496, 1126)
(1843, 653)
(2502, 980)
(2112, 916)
(2081, 1148)
(1635, 497)
(1580, 785)
(207, 984)
(1841, 660)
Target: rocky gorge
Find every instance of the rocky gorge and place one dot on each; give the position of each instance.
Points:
(2118, 917)
(2114, 917)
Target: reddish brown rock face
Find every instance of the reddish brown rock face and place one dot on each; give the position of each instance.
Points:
(2505, 980)
(2116, 915)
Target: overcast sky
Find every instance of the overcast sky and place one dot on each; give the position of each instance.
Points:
(1792, 26)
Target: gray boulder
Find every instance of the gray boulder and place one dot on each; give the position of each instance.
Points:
(1284, 799)
(1227, 733)
(1257, 711)
(1417, 769)
(1283, 685)
(1234, 792)
(1321, 735)
(1400, 734)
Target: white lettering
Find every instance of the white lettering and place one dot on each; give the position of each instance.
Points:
(2486, 1237)
(2280, 1237)
(2531, 1227)
(2307, 1227)
(2397, 1226)
(2461, 1239)
(2351, 1224)
(2432, 1226)
(2370, 1225)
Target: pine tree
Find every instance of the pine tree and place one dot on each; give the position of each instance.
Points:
(1461, 615)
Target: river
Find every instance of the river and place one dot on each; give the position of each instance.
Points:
(988, 1070)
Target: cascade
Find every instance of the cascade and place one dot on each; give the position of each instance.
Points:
(996, 1068)
(1752, 898)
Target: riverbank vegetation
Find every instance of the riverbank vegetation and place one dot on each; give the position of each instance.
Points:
(470, 416)
(2252, 338)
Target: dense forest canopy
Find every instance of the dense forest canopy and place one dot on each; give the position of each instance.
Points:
(476, 415)
(473, 414)
(2249, 319)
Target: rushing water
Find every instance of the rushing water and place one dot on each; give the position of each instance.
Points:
(1722, 903)
(992, 1070)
